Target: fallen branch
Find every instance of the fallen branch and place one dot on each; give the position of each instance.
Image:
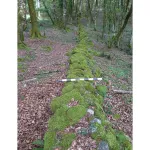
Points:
(48, 72)
(29, 80)
(111, 88)
(122, 92)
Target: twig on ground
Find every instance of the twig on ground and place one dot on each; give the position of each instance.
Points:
(47, 72)
(122, 92)
(29, 80)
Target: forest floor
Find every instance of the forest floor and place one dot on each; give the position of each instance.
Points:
(40, 67)
(38, 70)
(116, 67)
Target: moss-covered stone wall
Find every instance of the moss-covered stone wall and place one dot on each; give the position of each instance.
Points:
(81, 65)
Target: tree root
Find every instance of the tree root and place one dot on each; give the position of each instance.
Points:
(22, 45)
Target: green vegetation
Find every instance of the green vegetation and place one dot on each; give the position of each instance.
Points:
(100, 133)
(68, 87)
(74, 114)
(103, 54)
(112, 141)
(119, 72)
(116, 116)
(49, 140)
(22, 66)
(65, 99)
(38, 149)
(67, 140)
(59, 121)
(22, 46)
(39, 143)
(47, 48)
(123, 140)
(102, 90)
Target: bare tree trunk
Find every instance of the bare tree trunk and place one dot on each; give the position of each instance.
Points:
(35, 33)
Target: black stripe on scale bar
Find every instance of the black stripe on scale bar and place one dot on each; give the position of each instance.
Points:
(80, 79)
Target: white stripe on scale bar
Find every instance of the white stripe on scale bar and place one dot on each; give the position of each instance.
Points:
(81, 79)
(99, 78)
(73, 79)
(64, 80)
(90, 79)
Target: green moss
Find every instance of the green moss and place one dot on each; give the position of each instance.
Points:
(65, 116)
(59, 121)
(69, 53)
(78, 58)
(89, 98)
(112, 142)
(66, 98)
(99, 99)
(38, 142)
(23, 46)
(49, 140)
(47, 48)
(79, 72)
(38, 148)
(97, 72)
(95, 53)
(106, 123)
(100, 133)
(123, 140)
(21, 59)
(91, 64)
(82, 65)
(68, 87)
(22, 67)
(82, 50)
(75, 113)
(89, 87)
(80, 86)
(67, 139)
(102, 90)
(99, 114)
(116, 116)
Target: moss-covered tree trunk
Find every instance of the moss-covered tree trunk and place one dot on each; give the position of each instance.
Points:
(35, 33)
(116, 38)
(89, 10)
(70, 9)
(64, 13)
(43, 1)
(21, 44)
